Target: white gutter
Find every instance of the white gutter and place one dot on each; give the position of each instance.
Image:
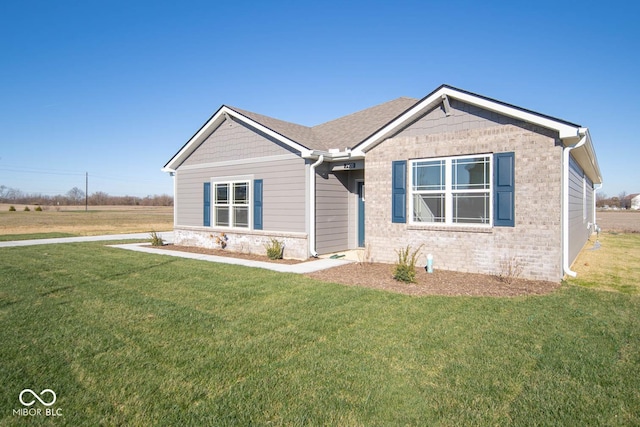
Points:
(312, 206)
(565, 202)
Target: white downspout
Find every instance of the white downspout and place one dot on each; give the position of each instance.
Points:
(312, 206)
(565, 204)
(175, 199)
(595, 193)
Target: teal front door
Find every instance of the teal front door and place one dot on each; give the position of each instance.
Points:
(361, 214)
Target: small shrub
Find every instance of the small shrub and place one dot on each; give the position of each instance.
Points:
(364, 256)
(26, 209)
(274, 248)
(38, 209)
(510, 270)
(12, 208)
(156, 240)
(405, 270)
(221, 240)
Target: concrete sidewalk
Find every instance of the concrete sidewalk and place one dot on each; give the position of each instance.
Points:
(167, 236)
(300, 268)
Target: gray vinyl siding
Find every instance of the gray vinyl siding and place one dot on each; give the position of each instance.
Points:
(283, 192)
(462, 117)
(590, 205)
(332, 212)
(235, 141)
(236, 149)
(579, 217)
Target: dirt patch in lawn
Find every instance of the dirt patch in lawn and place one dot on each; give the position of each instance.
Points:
(440, 282)
(229, 254)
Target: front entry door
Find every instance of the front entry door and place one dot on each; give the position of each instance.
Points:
(361, 214)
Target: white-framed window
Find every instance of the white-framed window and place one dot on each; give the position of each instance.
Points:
(451, 190)
(231, 204)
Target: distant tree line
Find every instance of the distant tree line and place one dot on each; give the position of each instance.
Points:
(76, 196)
(621, 201)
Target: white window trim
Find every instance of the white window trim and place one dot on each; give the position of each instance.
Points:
(448, 191)
(230, 180)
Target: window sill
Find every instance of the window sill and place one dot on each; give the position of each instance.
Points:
(241, 231)
(451, 228)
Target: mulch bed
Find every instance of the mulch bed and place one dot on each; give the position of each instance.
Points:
(440, 282)
(380, 276)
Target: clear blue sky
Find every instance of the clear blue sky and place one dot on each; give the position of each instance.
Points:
(115, 88)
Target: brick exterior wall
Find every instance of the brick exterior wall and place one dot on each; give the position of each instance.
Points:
(534, 242)
(248, 242)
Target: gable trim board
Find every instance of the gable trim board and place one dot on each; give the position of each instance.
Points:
(385, 122)
(213, 123)
(568, 132)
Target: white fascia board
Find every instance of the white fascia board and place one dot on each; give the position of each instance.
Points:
(374, 139)
(564, 130)
(211, 126)
(330, 156)
(196, 140)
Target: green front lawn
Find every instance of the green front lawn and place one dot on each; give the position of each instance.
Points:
(136, 339)
(32, 236)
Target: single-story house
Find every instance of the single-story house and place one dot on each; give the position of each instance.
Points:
(477, 182)
(634, 201)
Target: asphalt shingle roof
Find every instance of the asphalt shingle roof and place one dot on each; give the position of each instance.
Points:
(341, 133)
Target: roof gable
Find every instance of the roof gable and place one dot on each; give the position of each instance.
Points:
(219, 117)
(569, 133)
(343, 132)
(441, 96)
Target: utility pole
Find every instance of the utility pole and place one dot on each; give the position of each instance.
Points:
(86, 191)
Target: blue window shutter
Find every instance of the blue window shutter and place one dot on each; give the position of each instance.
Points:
(399, 191)
(257, 204)
(504, 189)
(206, 214)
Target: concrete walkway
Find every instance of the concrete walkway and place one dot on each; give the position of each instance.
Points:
(300, 268)
(167, 236)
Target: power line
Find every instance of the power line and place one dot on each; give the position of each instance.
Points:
(99, 177)
(41, 172)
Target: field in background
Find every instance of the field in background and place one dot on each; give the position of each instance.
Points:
(619, 221)
(74, 220)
